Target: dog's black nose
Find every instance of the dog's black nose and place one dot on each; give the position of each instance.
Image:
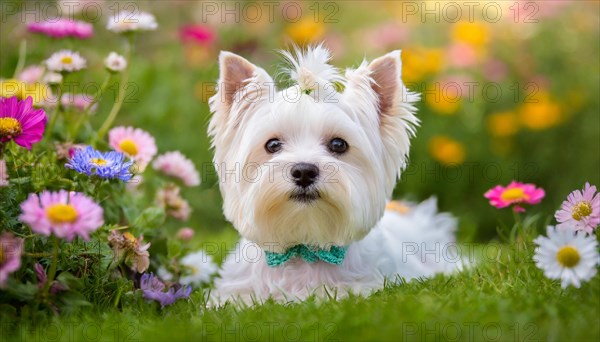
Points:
(304, 174)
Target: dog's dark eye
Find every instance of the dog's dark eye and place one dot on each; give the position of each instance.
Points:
(337, 145)
(273, 145)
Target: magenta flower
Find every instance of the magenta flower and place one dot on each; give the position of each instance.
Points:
(63, 28)
(514, 194)
(581, 210)
(11, 248)
(20, 122)
(66, 214)
(198, 34)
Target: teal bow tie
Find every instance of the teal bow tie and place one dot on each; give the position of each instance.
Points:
(335, 255)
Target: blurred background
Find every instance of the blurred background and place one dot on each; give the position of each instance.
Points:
(510, 88)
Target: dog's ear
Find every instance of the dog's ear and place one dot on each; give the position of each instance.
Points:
(380, 85)
(241, 85)
(385, 73)
(235, 74)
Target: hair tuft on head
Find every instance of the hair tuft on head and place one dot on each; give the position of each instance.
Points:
(310, 69)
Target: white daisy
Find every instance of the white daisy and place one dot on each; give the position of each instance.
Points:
(115, 62)
(198, 268)
(126, 21)
(65, 61)
(570, 257)
(52, 78)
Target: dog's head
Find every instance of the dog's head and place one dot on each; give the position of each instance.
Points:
(314, 163)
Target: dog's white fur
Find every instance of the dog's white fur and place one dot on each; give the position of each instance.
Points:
(375, 114)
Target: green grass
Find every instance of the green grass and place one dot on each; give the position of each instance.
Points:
(503, 297)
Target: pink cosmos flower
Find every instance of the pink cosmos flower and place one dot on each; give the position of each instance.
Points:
(135, 143)
(581, 210)
(20, 122)
(514, 194)
(79, 102)
(63, 28)
(3, 173)
(31, 74)
(462, 55)
(66, 214)
(185, 234)
(385, 36)
(11, 248)
(177, 165)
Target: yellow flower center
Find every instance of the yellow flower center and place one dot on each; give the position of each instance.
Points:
(1, 254)
(581, 210)
(66, 60)
(128, 146)
(568, 256)
(9, 127)
(514, 194)
(61, 213)
(131, 240)
(98, 161)
(194, 270)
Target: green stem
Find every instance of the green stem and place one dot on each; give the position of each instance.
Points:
(517, 217)
(120, 96)
(37, 255)
(85, 114)
(22, 55)
(54, 117)
(54, 264)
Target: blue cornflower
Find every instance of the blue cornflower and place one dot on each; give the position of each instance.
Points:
(102, 164)
(153, 289)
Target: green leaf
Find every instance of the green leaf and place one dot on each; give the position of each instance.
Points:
(23, 292)
(150, 218)
(70, 281)
(173, 248)
(73, 300)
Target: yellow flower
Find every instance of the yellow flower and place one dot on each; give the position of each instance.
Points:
(40, 93)
(476, 34)
(418, 63)
(443, 103)
(305, 31)
(504, 124)
(447, 150)
(10, 88)
(540, 113)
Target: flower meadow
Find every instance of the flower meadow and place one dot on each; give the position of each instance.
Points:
(74, 216)
(110, 204)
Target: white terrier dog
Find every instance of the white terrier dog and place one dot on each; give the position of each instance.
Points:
(306, 173)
